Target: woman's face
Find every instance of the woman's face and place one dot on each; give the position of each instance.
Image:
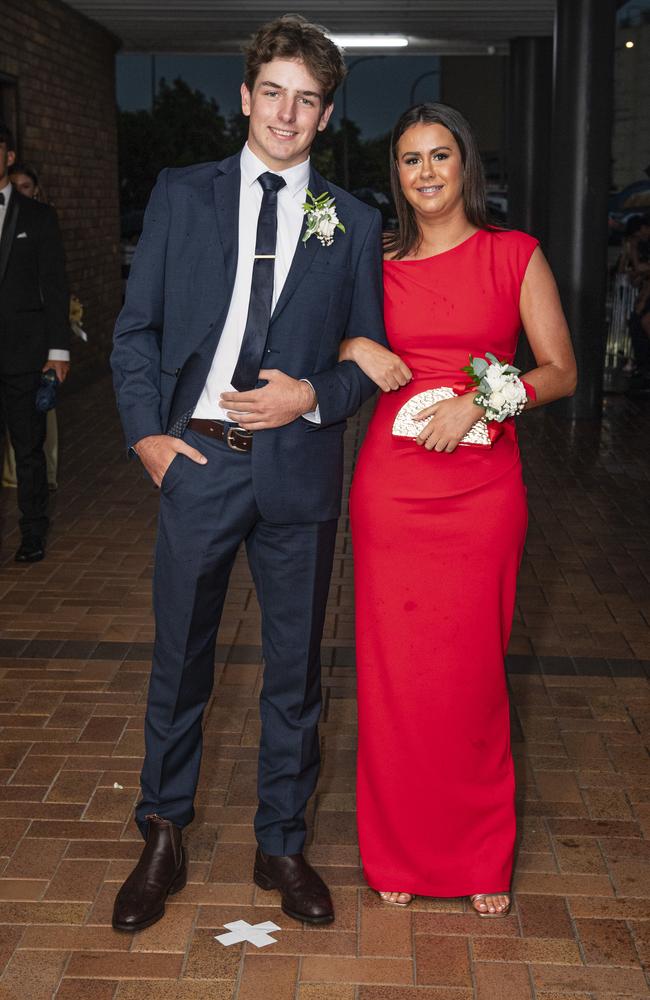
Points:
(430, 170)
(24, 184)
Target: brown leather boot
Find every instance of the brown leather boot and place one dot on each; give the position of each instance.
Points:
(160, 872)
(304, 894)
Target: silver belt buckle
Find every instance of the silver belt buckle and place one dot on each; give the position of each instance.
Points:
(231, 440)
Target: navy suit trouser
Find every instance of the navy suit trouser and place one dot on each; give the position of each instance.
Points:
(206, 512)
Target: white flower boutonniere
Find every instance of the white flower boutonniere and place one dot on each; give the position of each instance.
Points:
(322, 219)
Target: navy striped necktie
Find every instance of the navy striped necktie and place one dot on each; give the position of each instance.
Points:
(246, 372)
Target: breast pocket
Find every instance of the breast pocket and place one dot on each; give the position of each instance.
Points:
(335, 273)
(23, 245)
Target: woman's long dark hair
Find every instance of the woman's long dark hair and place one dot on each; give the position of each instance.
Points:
(23, 168)
(407, 237)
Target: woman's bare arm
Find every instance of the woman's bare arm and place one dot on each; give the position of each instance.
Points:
(546, 327)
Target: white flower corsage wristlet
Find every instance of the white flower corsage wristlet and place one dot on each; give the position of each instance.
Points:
(496, 386)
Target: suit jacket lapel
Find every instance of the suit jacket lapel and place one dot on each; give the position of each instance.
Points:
(225, 188)
(305, 252)
(8, 232)
(226, 200)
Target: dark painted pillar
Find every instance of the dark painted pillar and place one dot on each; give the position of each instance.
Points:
(529, 129)
(529, 150)
(579, 184)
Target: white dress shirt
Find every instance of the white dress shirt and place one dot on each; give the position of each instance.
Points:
(290, 218)
(6, 191)
(54, 354)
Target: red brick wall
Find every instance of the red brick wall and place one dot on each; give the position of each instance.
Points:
(64, 65)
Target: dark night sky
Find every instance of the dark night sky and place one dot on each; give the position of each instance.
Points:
(378, 90)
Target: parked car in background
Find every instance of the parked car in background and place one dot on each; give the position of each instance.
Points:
(131, 222)
(497, 204)
(630, 202)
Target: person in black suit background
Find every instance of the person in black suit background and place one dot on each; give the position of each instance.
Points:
(34, 337)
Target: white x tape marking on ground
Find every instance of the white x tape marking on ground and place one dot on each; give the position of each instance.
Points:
(241, 930)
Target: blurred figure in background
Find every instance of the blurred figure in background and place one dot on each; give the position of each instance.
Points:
(127, 252)
(34, 337)
(639, 255)
(624, 295)
(25, 179)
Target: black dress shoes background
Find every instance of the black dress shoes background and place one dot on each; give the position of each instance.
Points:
(160, 872)
(31, 549)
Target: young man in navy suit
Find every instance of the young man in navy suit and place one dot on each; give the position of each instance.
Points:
(231, 395)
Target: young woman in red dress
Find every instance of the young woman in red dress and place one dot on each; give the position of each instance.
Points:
(438, 529)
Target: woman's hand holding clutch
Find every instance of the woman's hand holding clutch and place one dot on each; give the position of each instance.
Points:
(446, 423)
(386, 369)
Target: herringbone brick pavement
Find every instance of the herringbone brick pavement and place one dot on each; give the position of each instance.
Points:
(75, 640)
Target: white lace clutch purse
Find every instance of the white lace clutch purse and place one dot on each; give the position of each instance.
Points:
(405, 426)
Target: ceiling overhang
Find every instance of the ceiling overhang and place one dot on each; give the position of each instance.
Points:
(444, 27)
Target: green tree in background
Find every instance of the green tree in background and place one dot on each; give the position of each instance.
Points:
(184, 127)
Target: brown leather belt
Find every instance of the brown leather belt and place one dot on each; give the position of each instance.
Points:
(235, 437)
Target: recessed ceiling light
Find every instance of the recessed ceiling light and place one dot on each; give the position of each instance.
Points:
(370, 41)
(629, 45)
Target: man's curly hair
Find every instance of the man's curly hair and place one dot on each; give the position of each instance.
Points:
(293, 37)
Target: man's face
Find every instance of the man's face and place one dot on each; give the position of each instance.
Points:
(7, 157)
(285, 109)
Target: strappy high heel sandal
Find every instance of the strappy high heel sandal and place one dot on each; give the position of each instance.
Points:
(394, 902)
(482, 896)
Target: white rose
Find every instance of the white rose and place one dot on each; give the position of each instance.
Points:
(497, 399)
(326, 228)
(514, 392)
(495, 377)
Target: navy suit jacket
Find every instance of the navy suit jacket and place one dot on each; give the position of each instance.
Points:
(177, 300)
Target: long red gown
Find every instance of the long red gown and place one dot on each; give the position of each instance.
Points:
(438, 540)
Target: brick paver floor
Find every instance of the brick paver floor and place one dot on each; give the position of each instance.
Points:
(76, 635)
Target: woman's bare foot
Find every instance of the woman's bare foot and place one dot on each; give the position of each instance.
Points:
(488, 904)
(397, 898)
